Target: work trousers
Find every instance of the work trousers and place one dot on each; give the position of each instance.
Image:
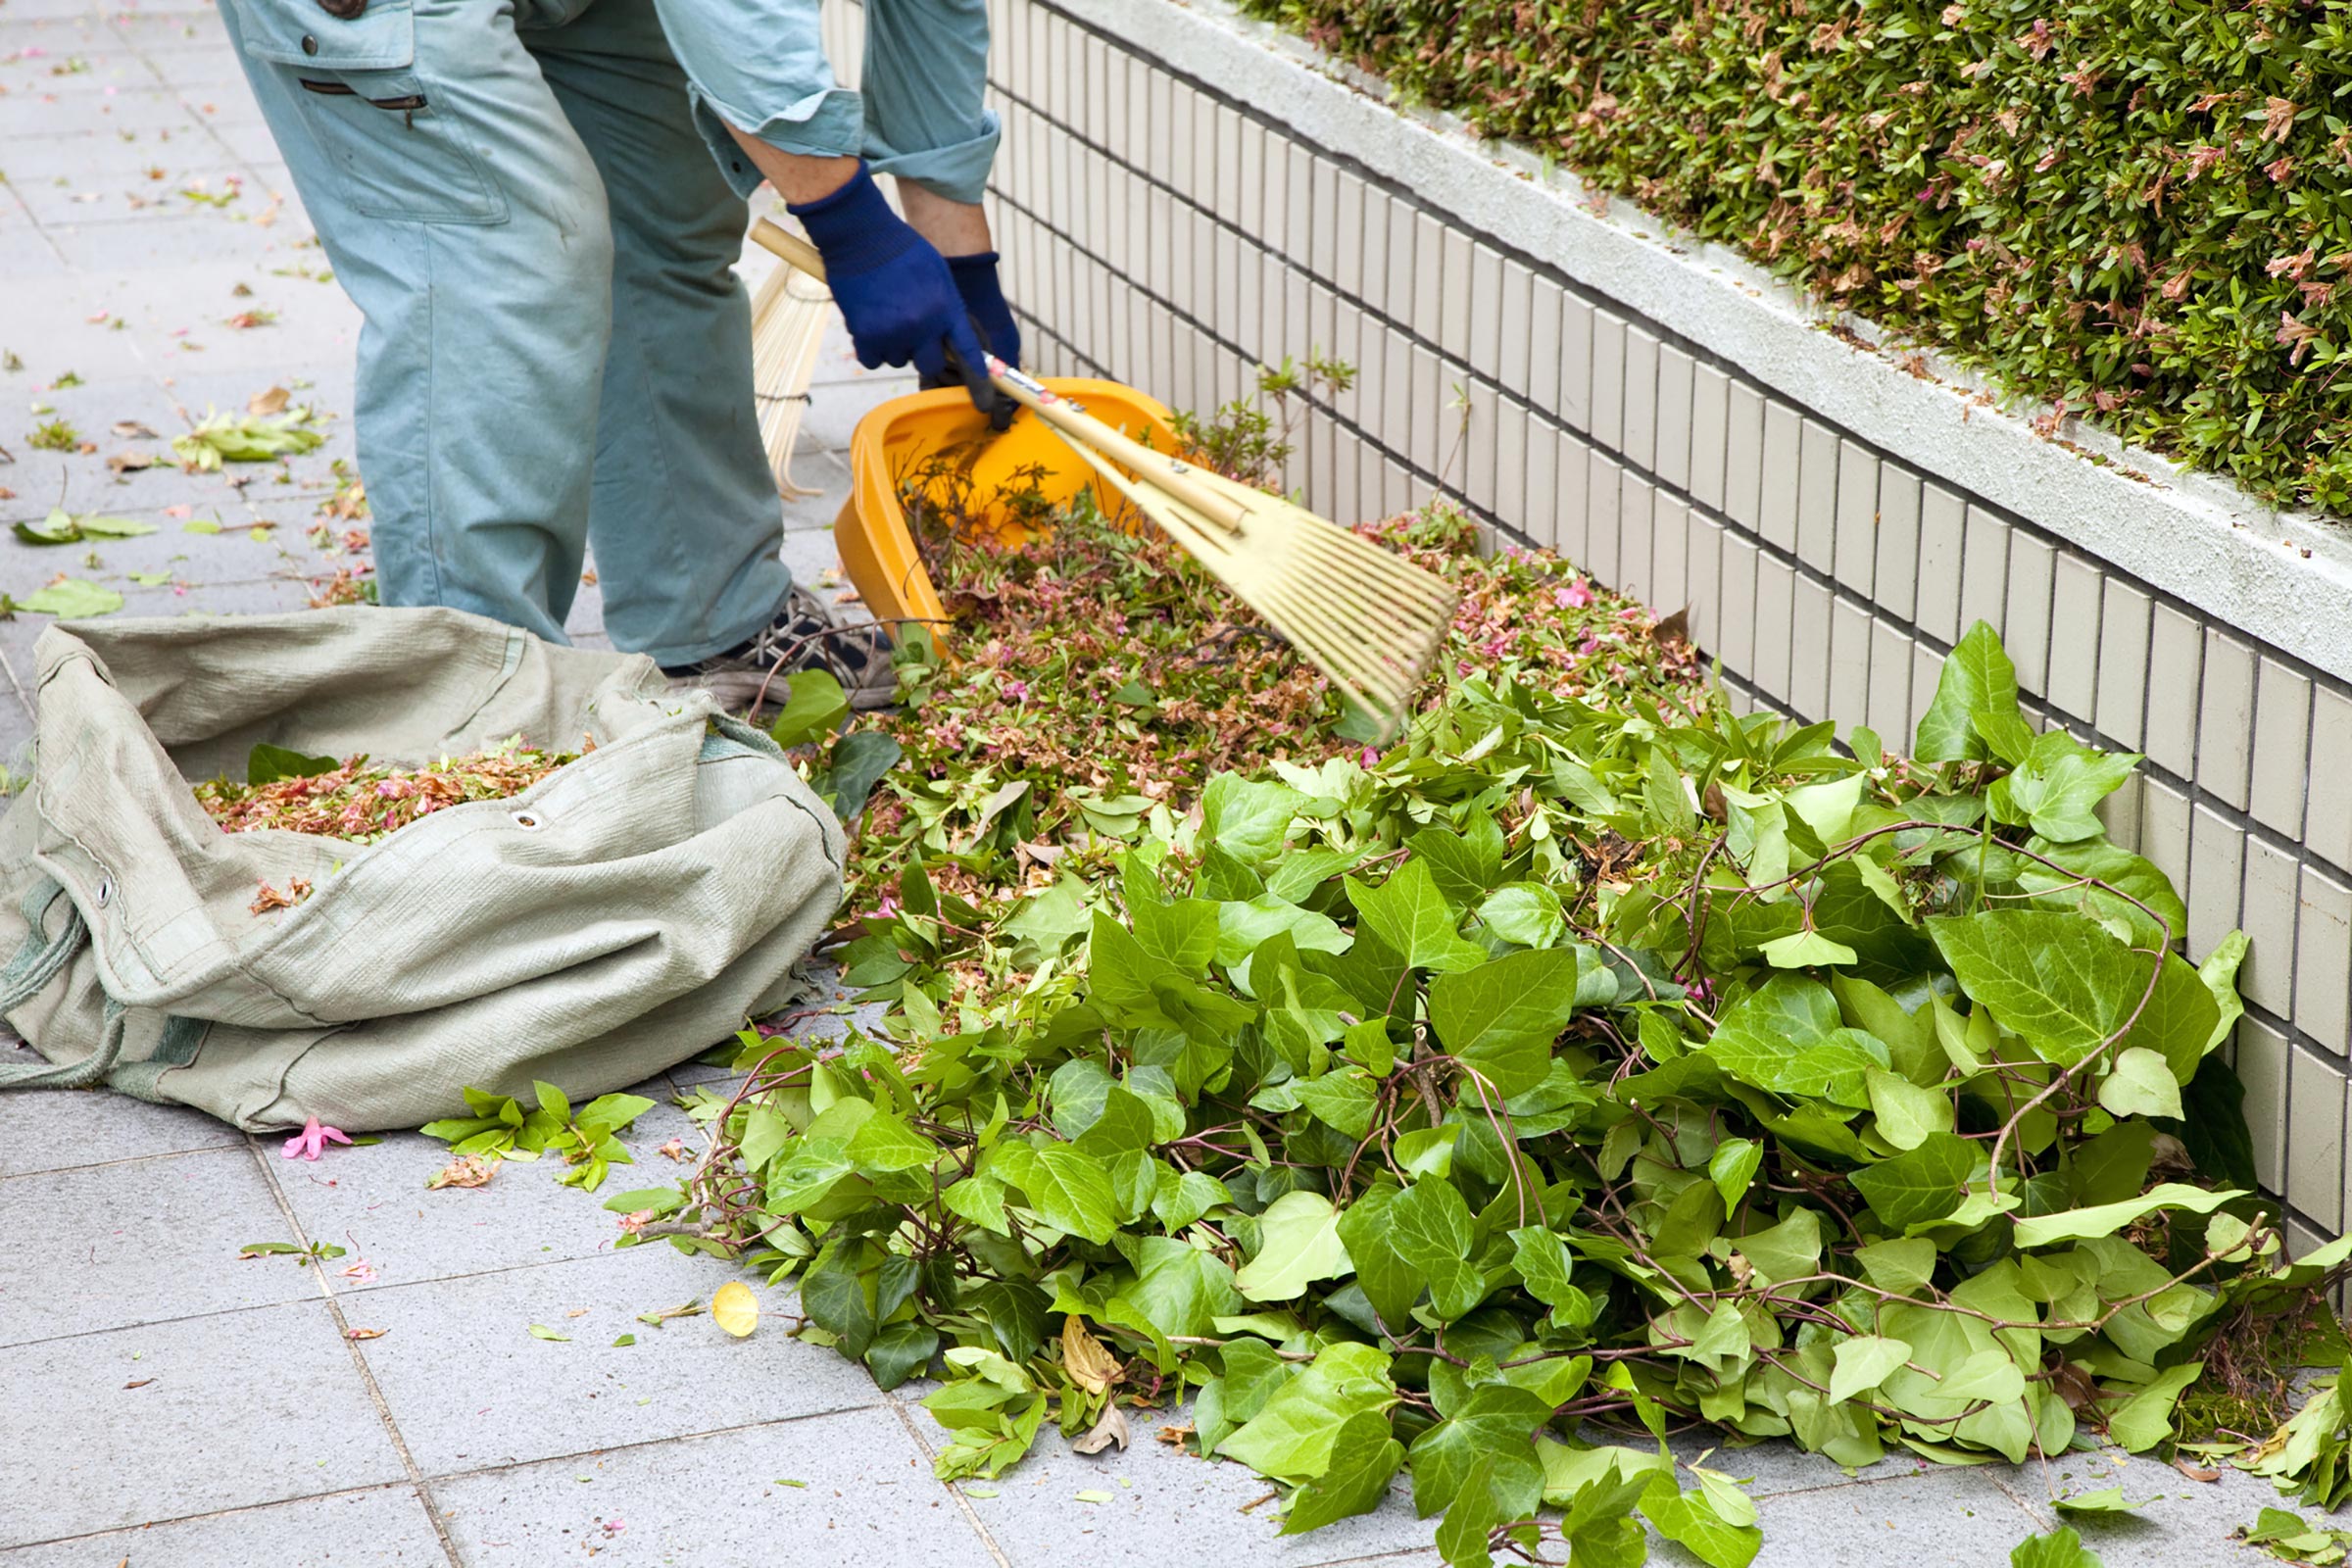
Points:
(525, 202)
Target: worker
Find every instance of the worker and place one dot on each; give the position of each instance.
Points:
(537, 207)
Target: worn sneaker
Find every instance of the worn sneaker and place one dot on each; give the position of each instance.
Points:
(805, 634)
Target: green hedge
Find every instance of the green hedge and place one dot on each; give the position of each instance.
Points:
(2139, 208)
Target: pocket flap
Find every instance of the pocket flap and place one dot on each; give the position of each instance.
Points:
(383, 36)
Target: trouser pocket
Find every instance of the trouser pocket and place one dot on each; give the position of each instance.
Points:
(377, 124)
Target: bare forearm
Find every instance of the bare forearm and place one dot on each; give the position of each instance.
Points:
(956, 228)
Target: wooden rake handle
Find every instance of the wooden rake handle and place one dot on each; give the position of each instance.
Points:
(1070, 419)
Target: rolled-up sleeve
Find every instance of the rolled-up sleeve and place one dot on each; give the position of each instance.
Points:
(759, 66)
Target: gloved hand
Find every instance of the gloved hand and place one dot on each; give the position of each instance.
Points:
(984, 302)
(893, 288)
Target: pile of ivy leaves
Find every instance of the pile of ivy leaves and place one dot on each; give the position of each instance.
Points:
(1581, 1068)
(2137, 211)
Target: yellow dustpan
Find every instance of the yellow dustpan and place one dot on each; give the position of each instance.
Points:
(900, 440)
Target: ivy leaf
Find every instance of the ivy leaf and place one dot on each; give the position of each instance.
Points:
(266, 764)
(1430, 1225)
(1502, 1017)
(1364, 1455)
(1544, 1263)
(1245, 819)
(1908, 1114)
(75, 599)
(1298, 1243)
(1526, 913)
(1732, 1167)
(2060, 1548)
(1294, 1437)
(1411, 916)
(1979, 683)
(1071, 1191)
(1921, 1184)
(1787, 1037)
(858, 762)
(1692, 1520)
(2139, 1084)
(2109, 1219)
(1491, 1431)
(1389, 1283)
(1806, 950)
(2058, 784)
(815, 707)
(1863, 1361)
(2068, 986)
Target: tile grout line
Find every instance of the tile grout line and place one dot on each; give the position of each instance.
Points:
(375, 1394)
(971, 1515)
(110, 1164)
(209, 1513)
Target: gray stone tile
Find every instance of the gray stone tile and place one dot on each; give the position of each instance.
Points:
(661, 1497)
(2217, 849)
(1934, 1519)
(113, 1246)
(1672, 459)
(1739, 612)
(1710, 411)
(2177, 1523)
(1580, 362)
(2026, 617)
(231, 1411)
(1942, 523)
(2164, 833)
(1167, 1496)
(1984, 571)
(836, 407)
(2323, 961)
(1898, 568)
(2226, 717)
(1704, 578)
(1857, 522)
(1817, 498)
(374, 1201)
(1743, 456)
(1775, 605)
(1638, 436)
(1783, 453)
(378, 1528)
(2073, 686)
(59, 1129)
(2281, 758)
(2124, 632)
(2175, 661)
(2327, 823)
(1890, 686)
(2261, 1061)
(2268, 913)
(1670, 553)
(470, 1388)
(2315, 1131)
(1809, 633)
(1849, 665)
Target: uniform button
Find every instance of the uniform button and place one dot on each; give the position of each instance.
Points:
(310, 45)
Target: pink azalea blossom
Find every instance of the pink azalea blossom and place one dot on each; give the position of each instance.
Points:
(313, 1137)
(361, 1271)
(1015, 690)
(1576, 596)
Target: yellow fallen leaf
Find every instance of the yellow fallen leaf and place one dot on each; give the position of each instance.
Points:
(1090, 1366)
(735, 1308)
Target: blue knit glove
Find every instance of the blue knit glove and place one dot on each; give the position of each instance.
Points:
(984, 302)
(894, 289)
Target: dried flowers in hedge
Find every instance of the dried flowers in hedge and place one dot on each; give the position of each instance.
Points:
(2138, 210)
(1592, 1060)
(365, 802)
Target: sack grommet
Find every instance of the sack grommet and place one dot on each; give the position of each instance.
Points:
(528, 822)
(105, 891)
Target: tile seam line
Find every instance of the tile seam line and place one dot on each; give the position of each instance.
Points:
(418, 1481)
(1632, 318)
(2241, 817)
(963, 1505)
(212, 1513)
(114, 1164)
(575, 1455)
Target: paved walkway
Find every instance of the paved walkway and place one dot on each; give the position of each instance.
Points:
(164, 1404)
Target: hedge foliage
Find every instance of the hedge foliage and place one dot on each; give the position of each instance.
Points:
(2141, 209)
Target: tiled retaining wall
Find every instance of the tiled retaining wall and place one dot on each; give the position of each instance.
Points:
(1160, 231)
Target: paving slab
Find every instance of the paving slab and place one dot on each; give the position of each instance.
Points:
(384, 1527)
(108, 1246)
(227, 1411)
(471, 1387)
(60, 1129)
(713, 1502)
(374, 1200)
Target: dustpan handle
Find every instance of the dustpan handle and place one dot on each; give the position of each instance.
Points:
(1163, 472)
